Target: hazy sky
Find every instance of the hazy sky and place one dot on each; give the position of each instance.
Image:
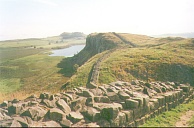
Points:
(42, 18)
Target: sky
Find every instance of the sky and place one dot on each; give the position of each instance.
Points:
(42, 18)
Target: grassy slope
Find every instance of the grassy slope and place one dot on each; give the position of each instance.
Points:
(173, 61)
(25, 69)
(169, 118)
(163, 59)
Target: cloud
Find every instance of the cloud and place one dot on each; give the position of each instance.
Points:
(46, 2)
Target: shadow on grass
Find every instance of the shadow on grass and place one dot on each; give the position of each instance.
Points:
(66, 66)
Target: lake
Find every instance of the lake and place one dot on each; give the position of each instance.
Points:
(68, 52)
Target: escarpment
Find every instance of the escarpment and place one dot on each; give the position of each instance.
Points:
(97, 43)
(114, 104)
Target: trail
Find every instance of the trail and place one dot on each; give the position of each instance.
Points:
(184, 119)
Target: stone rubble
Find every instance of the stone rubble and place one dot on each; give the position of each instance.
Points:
(109, 105)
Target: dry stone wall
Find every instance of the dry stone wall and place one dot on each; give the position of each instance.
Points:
(115, 104)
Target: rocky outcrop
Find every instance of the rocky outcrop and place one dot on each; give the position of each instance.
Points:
(115, 104)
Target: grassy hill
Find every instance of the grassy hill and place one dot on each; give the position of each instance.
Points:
(154, 59)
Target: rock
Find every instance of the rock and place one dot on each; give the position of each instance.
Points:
(4, 104)
(101, 99)
(48, 103)
(147, 91)
(103, 89)
(52, 97)
(6, 123)
(185, 88)
(32, 103)
(15, 101)
(36, 113)
(63, 106)
(156, 103)
(120, 121)
(65, 123)
(44, 96)
(103, 123)
(89, 101)
(68, 95)
(28, 120)
(75, 117)
(140, 100)
(22, 121)
(56, 114)
(112, 89)
(87, 93)
(130, 103)
(110, 111)
(119, 83)
(78, 103)
(123, 95)
(91, 85)
(15, 123)
(4, 114)
(113, 96)
(134, 82)
(129, 115)
(46, 124)
(15, 109)
(66, 99)
(92, 114)
(97, 92)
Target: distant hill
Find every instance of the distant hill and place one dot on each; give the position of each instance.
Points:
(66, 35)
(184, 35)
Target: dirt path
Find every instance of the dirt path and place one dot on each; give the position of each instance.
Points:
(184, 119)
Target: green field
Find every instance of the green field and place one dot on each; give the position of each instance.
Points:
(26, 67)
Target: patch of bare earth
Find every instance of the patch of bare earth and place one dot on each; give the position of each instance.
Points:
(184, 119)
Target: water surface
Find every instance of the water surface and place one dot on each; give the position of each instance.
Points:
(67, 52)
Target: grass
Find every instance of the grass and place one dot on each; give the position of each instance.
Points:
(26, 68)
(81, 77)
(191, 122)
(30, 74)
(172, 61)
(169, 118)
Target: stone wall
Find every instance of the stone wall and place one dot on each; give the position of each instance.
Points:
(115, 104)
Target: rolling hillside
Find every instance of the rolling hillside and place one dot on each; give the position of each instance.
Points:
(152, 59)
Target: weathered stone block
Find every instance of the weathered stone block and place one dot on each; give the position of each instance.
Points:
(44, 95)
(15, 109)
(65, 123)
(35, 113)
(137, 113)
(78, 103)
(129, 115)
(156, 103)
(75, 117)
(140, 121)
(92, 114)
(123, 95)
(140, 100)
(101, 99)
(113, 96)
(185, 88)
(131, 104)
(63, 106)
(103, 123)
(161, 100)
(87, 93)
